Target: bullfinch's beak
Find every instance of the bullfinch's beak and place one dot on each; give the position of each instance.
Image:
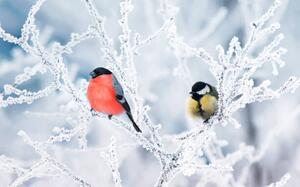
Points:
(93, 74)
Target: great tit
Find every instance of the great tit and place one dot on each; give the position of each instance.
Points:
(105, 94)
(202, 102)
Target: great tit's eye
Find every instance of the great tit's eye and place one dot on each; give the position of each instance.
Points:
(205, 90)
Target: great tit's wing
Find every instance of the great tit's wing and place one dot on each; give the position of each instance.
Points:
(214, 92)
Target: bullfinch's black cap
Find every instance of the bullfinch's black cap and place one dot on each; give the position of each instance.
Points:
(99, 71)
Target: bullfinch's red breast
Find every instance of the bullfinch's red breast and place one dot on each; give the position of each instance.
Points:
(106, 95)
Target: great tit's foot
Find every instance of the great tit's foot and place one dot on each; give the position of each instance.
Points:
(109, 117)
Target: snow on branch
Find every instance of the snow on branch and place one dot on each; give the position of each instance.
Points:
(111, 157)
(233, 70)
(281, 182)
(11, 166)
(46, 166)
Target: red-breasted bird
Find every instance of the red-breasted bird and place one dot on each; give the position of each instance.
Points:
(105, 94)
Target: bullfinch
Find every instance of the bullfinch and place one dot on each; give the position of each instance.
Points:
(202, 102)
(105, 94)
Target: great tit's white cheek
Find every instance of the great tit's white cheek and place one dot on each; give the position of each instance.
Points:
(204, 90)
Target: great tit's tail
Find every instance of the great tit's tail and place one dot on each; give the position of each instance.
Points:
(133, 122)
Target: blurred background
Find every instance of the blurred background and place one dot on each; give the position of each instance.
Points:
(159, 84)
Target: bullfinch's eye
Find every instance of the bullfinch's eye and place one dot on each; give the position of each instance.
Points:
(93, 74)
(205, 90)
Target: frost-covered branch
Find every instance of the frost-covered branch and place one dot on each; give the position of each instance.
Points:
(47, 166)
(281, 182)
(123, 67)
(111, 157)
(234, 68)
(11, 166)
(197, 151)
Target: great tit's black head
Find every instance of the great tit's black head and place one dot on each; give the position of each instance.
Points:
(99, 71)
(200, 88)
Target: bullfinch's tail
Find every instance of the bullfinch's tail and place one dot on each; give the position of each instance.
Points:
(121, 99)
(133, 122)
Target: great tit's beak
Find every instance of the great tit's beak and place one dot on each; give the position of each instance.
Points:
(191, 92)
(93, 74)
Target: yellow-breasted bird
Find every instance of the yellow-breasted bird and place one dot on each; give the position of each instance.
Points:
(203, 101)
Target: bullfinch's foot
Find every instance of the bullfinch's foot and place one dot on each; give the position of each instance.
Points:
(109, 117)
(93, 112)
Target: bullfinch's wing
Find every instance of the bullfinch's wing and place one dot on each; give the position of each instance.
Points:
(121, 99)
(117, 86)
(120, 94)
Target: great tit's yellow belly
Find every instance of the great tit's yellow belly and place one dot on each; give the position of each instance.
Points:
(208, 105)
(193, 109)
